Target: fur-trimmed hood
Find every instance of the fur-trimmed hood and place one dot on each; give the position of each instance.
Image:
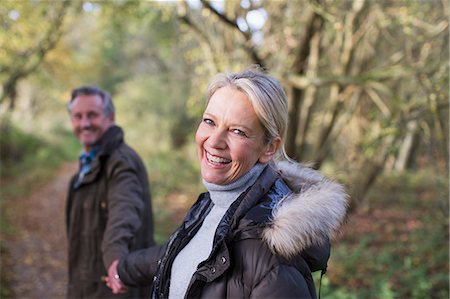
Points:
(310, 215)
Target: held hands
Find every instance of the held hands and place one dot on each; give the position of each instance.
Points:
(113, 281)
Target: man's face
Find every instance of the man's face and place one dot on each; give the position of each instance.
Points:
(88, 120)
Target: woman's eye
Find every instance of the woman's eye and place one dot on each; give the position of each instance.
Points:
(239, 132)
(208, 121)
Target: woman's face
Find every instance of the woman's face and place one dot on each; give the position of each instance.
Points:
(230, 138)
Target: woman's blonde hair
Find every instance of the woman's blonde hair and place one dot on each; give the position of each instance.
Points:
(267, 98)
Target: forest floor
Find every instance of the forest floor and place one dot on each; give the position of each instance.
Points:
(36, 262)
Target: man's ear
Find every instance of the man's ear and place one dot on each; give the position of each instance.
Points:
(112, 117)
(270, 151)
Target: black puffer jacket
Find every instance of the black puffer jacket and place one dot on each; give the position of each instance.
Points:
(266, 245)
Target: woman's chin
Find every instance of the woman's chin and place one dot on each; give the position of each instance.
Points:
(213, 180)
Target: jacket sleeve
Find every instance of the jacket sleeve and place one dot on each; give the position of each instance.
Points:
(125, 207)
(139, 267)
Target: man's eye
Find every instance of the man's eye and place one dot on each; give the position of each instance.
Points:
(92, 115)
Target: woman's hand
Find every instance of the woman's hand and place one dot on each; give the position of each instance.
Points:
(113, 281)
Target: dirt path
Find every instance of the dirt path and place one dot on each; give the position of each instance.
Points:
(38, 252)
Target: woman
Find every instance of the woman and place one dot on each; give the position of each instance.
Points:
(264, 224)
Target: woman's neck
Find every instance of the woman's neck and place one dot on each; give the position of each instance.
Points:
(225, 195)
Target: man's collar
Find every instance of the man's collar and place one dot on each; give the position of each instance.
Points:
(88, 157)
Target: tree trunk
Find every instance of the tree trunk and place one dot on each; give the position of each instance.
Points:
(310, 95)
(320, 150)
(408, 147)
(369, 173)
(314, 24)
(295, 103)
(336, 100)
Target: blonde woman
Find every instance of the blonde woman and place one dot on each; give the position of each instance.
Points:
(264, 223)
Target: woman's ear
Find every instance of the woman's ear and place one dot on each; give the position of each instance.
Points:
(270, 150)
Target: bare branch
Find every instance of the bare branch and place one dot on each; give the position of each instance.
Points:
(314, 24)
(204, 43)
(248, 45)
(225, 19)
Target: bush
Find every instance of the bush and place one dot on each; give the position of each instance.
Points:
(397, 247)
(175, 184)
(22, 152)
(15, 147)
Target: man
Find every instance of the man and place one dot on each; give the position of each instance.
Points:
(108, 207)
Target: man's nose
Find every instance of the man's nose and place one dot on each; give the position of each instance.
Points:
(85, 122)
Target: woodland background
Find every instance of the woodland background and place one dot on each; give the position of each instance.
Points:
(368, 87)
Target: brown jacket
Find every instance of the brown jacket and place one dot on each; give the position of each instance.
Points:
(108, 215)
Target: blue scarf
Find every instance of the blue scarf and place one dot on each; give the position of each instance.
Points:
(85, 165)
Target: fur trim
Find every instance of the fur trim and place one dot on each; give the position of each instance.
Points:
(308, 216)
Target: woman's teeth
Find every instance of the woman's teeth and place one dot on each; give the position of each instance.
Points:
(216, 159)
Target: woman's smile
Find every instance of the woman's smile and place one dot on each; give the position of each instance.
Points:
(229, 138)
(215, 160)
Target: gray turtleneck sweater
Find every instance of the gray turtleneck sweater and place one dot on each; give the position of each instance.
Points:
(199, 247)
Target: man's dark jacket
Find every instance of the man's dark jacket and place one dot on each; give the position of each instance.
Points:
(108, 215)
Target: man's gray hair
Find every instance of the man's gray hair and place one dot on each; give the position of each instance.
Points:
(108, 105)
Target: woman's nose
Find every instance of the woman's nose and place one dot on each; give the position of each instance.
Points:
(217, 139)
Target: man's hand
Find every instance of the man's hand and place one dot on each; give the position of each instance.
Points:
(113, 281)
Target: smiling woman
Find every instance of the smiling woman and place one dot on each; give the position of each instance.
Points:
(230, 139)
(265, 222)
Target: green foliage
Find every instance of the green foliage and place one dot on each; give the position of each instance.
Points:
(175, 185)
(36, 28)
(23, 153)
(172, 172)
(398, 246)
(16, 147)
(152, 111)
(25, 25)
(136, 39)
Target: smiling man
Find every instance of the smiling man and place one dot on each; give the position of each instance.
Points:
(109, 210)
